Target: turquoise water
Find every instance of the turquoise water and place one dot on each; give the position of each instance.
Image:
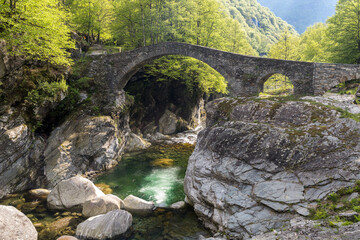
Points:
(139, 175)
(157, 174)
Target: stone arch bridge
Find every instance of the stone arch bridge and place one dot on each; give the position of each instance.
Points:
(245, 74)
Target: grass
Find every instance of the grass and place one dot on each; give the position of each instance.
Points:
(338, 202)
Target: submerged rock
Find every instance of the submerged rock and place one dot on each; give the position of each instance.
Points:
(72, 193)
(38, 194)
(101, 205)
(113, 224)
(138, 206)
(259, 164)
(15, 225)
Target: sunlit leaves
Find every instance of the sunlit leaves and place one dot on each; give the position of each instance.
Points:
(36, 29)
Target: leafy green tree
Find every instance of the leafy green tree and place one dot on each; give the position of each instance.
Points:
(190, 71)
(286, 48)
(344, 32)
(313, 44)
(36, 29)
(92, 18)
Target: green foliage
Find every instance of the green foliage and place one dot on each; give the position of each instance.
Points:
(278, 84)
(286, 48)
(193, 73)
(92, 18)
(145, 22)
(262, 27)
(344, 32)
(36, 29)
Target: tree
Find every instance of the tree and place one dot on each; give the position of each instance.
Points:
(92, 17)
(36, 29)
(344, 32)
(286, 48)
(313, 44)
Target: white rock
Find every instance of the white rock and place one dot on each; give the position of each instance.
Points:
(110, 225)
(15, 225)
(178, 205)
(101, 205)
(138, 206)
(135, 143)
(72, 192)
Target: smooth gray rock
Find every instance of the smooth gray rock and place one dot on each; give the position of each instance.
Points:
(178, 205)
(168, 123)
(280, 191)
(81, 144)
(135, 143)
(138, 206)
(15, 225)
(72, 193)
(260, 163)
(106, 226)
(102, 205)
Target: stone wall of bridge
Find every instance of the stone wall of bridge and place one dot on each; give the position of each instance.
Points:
(245, 74)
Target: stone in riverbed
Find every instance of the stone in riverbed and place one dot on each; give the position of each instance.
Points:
(113, 224)
(178, 205)
(15, 225)
(66, 237)
(138, 206)
(101, 205)
(72, 192)
(38, 194)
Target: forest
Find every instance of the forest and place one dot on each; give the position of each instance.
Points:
(50, 31)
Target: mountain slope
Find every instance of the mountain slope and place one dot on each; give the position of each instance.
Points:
(261, 25)
(301, 14)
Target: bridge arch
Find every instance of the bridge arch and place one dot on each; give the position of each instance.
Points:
(150, 53)
(267, 78)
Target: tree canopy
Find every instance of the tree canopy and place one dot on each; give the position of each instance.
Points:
(36, 29)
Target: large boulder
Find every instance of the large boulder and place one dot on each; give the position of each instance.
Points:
(260, 163)
(101, 205)
(113, 224)
(168, 123)
(72, 192)
(138, 206)
(15, 225)
(81, 144)
(136, 143)
(19, 153)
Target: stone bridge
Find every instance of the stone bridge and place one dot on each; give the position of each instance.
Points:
(246, 75)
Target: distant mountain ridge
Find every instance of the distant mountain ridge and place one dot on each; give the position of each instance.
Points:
(262, 26)
(301, 13)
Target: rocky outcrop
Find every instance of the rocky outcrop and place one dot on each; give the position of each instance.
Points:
(19, 153)
(82, 144)
(102, 205)
(15, 225)
(72, 192)
(138, 206)
(303, 229)
(113, 224)
(260, 163)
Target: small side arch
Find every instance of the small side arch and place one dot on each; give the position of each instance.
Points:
(276, 84)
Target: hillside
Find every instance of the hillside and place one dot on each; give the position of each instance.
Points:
(301, 14)
(262, 26)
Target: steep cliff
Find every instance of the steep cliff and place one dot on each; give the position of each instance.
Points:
(259, 163)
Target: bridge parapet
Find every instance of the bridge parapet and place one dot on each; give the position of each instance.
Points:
(245, 74)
